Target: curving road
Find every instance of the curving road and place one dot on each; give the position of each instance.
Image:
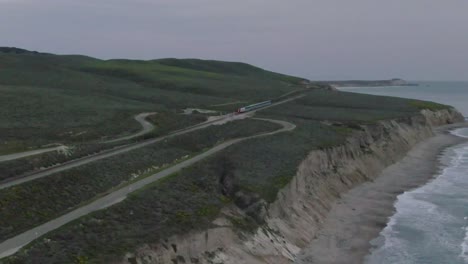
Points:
(140, 118)
(12, 245)
(146, 127)
(122, 149)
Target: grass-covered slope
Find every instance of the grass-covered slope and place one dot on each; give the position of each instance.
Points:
(243, 175)
(49, 98)
(100, 97)
(30, 204)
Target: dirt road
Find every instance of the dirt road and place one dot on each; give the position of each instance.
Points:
(146, 127)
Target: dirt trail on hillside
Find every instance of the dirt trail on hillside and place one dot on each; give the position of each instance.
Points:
(146, 127)
(140, 118)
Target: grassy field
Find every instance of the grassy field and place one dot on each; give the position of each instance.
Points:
(243, 174)
(34, 117)
(168, 122)
(164, 123)
(29, 204)
(345, 107)
(48, 98)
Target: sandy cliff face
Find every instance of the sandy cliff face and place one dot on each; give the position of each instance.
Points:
(292, 221)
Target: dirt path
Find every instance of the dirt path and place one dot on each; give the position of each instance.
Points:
(146, 127)
(12, 245)
(140, 118)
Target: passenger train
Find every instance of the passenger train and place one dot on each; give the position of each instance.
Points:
(253, 107)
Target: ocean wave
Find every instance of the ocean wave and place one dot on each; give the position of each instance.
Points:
(460, 132)
(464, 246)
(427, 222)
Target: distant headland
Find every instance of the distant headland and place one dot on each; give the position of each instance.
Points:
(370, 83)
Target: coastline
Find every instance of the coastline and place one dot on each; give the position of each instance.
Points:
(344, 88)
(361, 213)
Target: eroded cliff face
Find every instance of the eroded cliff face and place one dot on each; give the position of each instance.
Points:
(292, 221)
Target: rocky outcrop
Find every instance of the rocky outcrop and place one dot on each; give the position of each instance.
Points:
(292, 221)
(442, 117)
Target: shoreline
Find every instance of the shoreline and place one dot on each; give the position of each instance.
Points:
(363, 212)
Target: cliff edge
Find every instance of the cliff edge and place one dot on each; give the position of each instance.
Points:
(293, 219)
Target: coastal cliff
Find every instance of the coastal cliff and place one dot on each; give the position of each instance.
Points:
(293, 219)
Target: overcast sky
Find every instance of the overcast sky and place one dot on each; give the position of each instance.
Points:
(316, 39)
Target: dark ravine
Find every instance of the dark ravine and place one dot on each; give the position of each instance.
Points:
(293, 220)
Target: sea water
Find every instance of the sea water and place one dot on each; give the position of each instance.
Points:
(430, 224)
(451, 93)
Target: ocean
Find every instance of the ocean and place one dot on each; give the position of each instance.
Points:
(430, 225)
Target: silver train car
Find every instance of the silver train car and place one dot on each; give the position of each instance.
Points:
(253, 107)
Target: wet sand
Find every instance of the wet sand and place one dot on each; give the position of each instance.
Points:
(360, 214)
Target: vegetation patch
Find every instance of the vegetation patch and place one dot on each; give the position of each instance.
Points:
(32, 203)
(168, 122)
(428, 105)
(164, 123)
(17, 167)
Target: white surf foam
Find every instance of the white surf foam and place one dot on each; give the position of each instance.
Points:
(460, 132)
(464, 246)
(416, 212)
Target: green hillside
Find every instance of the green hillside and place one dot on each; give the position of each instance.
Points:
(70, 98)
(79, 101)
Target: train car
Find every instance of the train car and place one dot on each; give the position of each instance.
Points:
(253, 107)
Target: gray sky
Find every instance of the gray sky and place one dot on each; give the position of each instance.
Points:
(316, 39)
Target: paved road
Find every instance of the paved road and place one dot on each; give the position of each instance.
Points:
(119, 150)
(146, 127)
(12, 245)
(29, 153)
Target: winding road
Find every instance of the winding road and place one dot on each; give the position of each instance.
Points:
(12, 245)
(122, 149)
(146, 127)
(140, 118)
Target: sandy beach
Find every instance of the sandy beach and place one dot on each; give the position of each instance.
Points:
(360, 214)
